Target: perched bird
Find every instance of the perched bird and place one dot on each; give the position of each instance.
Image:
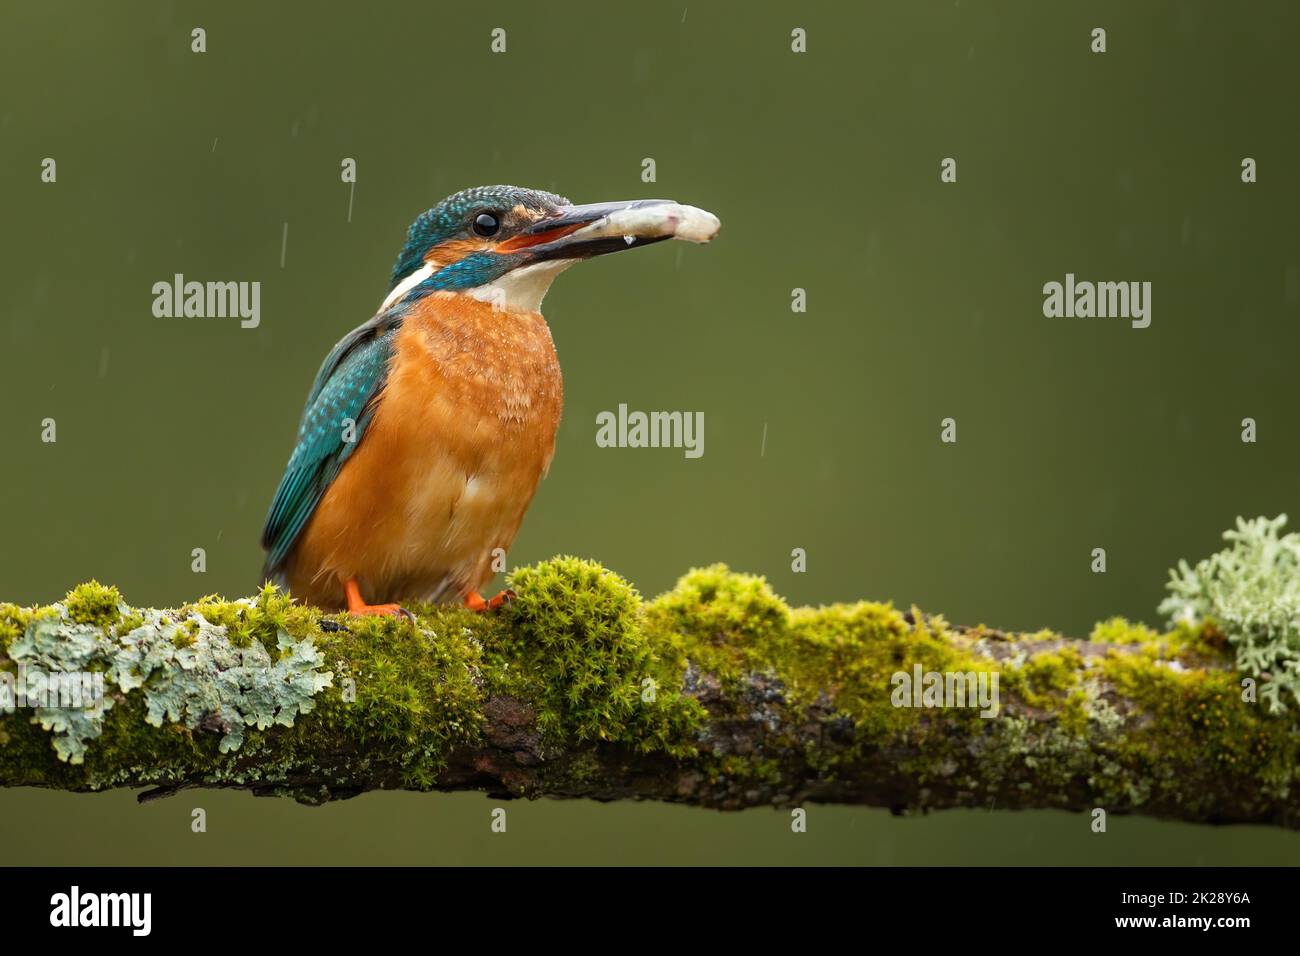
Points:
(429, 427)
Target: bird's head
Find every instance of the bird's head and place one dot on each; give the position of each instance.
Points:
(505, 244)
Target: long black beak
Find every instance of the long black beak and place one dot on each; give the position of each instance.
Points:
(595, 229)
(591, 212)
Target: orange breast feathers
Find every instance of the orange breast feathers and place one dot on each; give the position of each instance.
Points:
(463, 432)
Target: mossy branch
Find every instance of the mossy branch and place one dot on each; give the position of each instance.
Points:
(716, 693)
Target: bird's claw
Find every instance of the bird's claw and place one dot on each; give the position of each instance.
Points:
(382, 610)
(476, 602)
(358, 607)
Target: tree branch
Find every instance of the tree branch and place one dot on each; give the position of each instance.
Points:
(715, 694)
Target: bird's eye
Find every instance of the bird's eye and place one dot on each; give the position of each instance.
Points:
(486, 224)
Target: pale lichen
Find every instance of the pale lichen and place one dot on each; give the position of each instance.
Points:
(203, 679)
(1251, 592)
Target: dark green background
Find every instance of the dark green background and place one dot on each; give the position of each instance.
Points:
(924, 302)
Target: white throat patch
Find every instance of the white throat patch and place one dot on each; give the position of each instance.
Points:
(521, 290)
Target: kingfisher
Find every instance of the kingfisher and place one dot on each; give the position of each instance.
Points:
(430, 425)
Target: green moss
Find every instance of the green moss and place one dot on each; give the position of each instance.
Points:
(840, 658)
(1194, 724)
(260, 619)
(93, 603)
(728, 624)
(1048, 674)
(577, 647)
(13, 621)
(853, 651)
(410, 695)
(131, 749)
(186, 634)
(1191, 642)
(1117, 630)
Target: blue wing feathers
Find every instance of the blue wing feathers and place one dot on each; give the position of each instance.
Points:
(347, 387)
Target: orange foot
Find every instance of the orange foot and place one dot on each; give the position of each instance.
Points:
(359, 607)
(474, 601)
